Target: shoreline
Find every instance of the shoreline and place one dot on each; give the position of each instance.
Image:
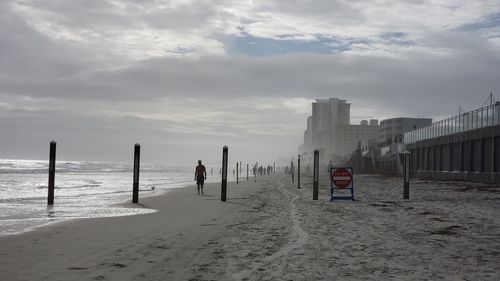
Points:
(20, 225)
(83, 189)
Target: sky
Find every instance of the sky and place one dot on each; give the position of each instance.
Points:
(184, 77)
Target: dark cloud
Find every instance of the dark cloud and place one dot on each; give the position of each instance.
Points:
(185, 16)
(111, 15)
(82, 136)
(467, 71)
(28, 56)
(331, 10)
(81, 14)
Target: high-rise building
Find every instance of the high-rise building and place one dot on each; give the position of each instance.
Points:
(326, 115)
(321, 126)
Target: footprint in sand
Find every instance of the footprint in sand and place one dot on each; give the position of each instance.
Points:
(119, 265)
(77, 268)
(303, 236)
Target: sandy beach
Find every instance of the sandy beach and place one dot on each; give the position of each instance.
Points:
(270, 230)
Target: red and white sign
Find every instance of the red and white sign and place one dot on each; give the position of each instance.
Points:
(342, 177)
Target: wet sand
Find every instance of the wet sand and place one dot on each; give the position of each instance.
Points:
(270, 230)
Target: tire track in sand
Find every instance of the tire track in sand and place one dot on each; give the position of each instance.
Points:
(303, 236)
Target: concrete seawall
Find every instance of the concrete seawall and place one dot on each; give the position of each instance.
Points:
(470, 156)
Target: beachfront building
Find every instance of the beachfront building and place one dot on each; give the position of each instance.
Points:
(307, 143)
(392, 130)
(329, 130)
(348, 136)
(327, 114)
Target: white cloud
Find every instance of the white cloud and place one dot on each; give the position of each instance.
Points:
(298, 105)
(141, 30)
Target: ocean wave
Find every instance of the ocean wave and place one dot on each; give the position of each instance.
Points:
(22, 199)
(82, 186)
(41, 166)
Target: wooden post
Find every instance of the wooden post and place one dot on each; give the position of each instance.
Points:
(137, 160)
(316, 174)
(223, 189)
(298, 172)
(406, 175)
(492, 179)
(52, 172)
(462, 153)
(237, 174)
(247, 171)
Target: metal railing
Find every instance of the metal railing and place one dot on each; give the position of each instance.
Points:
(479, 118)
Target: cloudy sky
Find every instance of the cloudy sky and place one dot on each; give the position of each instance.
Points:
(185, 77)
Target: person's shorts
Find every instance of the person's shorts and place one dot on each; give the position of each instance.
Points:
(200, 179)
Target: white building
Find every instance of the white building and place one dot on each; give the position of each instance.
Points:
(321, 126)
(392, 130)
(348, 136)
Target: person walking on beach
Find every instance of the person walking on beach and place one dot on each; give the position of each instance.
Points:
(200, 175)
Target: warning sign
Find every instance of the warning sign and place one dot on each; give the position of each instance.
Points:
(341, 177)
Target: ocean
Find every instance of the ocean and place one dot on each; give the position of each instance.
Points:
(82, 190)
